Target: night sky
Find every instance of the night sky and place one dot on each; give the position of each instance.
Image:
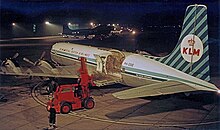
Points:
(96, 10)
(137, 13)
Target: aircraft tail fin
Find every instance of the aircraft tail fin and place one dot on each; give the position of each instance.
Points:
(191, 53)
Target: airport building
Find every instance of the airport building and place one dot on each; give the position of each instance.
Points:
(17, 30)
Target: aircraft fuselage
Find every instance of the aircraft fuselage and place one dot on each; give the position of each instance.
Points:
(133, 69)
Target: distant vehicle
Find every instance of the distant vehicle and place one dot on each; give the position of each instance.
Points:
(99, 32)
(185, 69)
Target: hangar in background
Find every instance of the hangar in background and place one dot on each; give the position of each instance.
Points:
(17, 30)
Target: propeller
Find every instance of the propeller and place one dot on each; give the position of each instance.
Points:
(27, 60)
(11, 58)
(36, 63)
(15, 56)
(42, 55)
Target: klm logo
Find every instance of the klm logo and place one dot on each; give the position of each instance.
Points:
(191, 48)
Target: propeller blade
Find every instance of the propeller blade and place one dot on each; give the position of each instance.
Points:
(37, 62)
(1, 62)
(42, 55)
(15, 56)
(27, 60)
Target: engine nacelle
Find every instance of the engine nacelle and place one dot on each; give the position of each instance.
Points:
(11, 65)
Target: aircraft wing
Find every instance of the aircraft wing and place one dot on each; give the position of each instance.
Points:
(162, 88)
(60, 71)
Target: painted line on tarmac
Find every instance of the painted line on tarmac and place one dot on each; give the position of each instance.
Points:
(35, 97)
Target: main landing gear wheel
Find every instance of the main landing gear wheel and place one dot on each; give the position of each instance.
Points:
(89, 103)
(65, 108)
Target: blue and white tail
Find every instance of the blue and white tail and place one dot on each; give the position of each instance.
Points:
(191, 53)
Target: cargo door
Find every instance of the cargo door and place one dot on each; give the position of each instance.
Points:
(100, 61)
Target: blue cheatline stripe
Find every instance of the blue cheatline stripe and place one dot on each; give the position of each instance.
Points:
(160, 76)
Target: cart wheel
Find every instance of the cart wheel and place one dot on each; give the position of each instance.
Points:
(89, 103)
(65, 108)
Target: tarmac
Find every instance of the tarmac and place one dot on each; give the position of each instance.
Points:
(26, 110)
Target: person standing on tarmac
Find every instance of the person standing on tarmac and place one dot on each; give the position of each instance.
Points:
(52, 117)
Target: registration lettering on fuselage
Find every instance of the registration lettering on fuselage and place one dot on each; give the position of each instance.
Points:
(129, 64)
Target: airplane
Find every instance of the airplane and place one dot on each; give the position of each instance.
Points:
(99, 32)
(186, 69)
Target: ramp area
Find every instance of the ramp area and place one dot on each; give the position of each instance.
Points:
(175, 112)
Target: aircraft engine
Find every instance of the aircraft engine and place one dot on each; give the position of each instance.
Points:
(11, 64)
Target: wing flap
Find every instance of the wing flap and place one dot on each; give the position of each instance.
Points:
(162, 88)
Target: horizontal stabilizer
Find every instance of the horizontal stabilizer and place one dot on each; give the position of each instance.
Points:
(163, 88)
